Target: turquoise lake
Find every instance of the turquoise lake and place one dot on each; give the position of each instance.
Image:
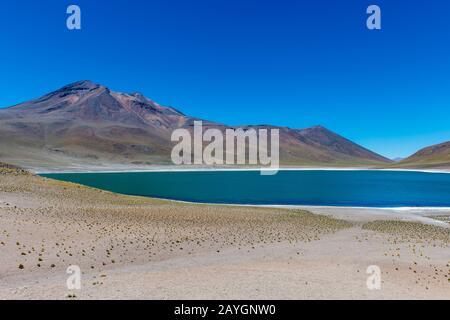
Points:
(369, 188)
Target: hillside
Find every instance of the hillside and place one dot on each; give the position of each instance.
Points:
(87, 124)
(436, 156)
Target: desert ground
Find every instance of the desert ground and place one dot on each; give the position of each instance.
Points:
(140, 248)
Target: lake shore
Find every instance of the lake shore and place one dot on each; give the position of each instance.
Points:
(141, 248)
(173, 168)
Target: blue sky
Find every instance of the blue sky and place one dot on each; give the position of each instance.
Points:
(289, 63)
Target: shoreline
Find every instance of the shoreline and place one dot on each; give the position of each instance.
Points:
(203, 169)
(348, 213)
(301, 206)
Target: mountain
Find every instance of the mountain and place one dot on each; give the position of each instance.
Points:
(436, 156)
(87, 124)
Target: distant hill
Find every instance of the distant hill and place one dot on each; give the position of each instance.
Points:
(436, 156)
(87, 124)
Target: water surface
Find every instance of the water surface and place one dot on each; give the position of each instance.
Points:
(369, 188)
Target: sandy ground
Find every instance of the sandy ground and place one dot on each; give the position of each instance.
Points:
(139, 248)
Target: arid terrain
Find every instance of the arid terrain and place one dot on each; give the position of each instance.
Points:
(87, 124)
(435, 156)
(139, 248)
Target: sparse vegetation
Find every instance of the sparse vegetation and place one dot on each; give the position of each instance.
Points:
(62, 223)
(50, 225)
(407, 231)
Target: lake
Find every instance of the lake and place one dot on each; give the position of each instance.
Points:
(368, 188)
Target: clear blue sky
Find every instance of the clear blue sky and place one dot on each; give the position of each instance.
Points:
(290, 63)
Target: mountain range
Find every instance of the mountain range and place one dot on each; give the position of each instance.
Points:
(87, 124)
